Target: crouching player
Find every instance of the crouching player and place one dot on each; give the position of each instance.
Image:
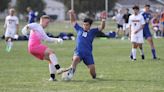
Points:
(85, 37)
(136, 23)
(40, 51)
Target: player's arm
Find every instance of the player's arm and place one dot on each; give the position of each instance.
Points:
(142, 26)
(72, 17)
(25, 30)
(17, 26)
(130, 31)
(103, 19)
(49, 39)
(5, 24)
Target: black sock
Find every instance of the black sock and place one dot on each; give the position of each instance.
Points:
(52, 76)
(57, 66)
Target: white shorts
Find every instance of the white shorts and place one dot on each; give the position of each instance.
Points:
(137, 38)
(125, 26)
(10, 33)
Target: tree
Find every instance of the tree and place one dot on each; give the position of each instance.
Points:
(4, 5)
(36, 5)
(92, 6)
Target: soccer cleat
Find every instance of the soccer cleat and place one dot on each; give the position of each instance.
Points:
(51, 79)
(61, 70)
(155, 58)
(143, 57)
(134, 59)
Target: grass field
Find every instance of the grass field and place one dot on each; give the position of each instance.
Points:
(21, 72)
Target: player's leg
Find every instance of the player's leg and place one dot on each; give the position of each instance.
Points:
(150, 41)
(9, 43)
(141, 51)
(89, 61)
(134, 50)
(75, 61)
(50, 56)
(92, 70)
(52, 71)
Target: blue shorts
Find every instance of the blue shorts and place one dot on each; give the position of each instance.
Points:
(146, 32)
(86, 57)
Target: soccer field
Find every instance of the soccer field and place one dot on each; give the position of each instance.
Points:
(21, 72)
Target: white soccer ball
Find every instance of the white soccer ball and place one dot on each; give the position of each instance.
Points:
(66, 76)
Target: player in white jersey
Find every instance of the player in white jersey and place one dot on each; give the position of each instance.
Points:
(11, 28)
(136, 22)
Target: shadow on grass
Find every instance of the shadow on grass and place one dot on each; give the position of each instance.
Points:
(109, 80)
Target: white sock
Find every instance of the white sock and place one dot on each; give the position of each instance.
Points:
(134, 53)
(52, 68)
(53, 59)
(7, 43)
(10, 44)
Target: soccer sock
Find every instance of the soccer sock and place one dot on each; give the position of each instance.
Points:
(52, 68)
(54, 61)
(134, 53)
(10, 44)
(153, 53)
(141, 51)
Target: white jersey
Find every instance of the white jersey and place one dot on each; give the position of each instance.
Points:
(119, 19)
(38, 29)
(11, 25)
(136, 22)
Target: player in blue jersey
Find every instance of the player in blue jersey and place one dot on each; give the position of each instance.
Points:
(31, 15)
(146, 31)
(85, 37)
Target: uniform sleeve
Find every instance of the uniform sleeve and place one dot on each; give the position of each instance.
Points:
(130, 21)
(95, 31)
(5, 25)
(77, 27)
(32, 26)
(142, 20)
(45, 37)
(17, 20)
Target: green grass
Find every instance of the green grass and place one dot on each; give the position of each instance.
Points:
(21, 72)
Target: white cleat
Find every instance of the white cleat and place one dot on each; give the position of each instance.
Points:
(51, 79)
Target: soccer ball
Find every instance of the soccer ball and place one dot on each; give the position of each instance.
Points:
(67, 75)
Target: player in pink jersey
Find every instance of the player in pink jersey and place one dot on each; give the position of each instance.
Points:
(40, 51)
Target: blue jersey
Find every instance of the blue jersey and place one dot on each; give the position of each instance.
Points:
(31, 17)
(146, 31)
(84, 39)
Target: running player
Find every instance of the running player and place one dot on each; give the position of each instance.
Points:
(11, 28)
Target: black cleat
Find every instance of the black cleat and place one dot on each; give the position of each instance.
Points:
(134, 59)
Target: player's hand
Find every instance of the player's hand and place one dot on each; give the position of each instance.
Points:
(16, 36)
(103, 15)
(59, 40)
(71, 12)
(136, 32)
